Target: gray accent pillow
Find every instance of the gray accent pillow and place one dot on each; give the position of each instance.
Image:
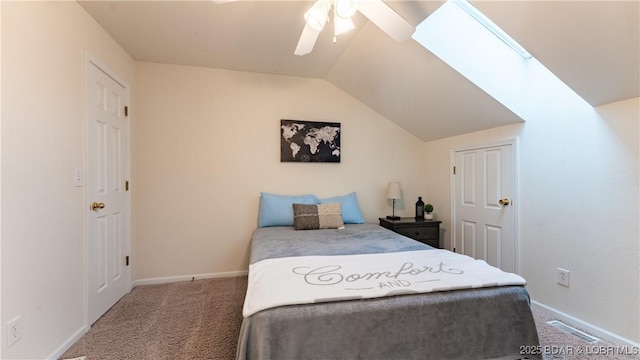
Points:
(317, 216)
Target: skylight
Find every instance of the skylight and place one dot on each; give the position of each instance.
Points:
(491, 26)
(475, 47)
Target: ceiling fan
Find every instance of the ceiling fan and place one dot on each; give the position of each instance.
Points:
(375, 10)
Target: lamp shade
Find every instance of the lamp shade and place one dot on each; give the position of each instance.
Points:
(394, 191)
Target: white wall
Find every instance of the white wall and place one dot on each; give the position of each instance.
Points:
(579, 193)
(43, 140)
(207, 143)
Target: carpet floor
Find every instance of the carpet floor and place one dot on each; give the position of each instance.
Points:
(179, 321)
(201, 320)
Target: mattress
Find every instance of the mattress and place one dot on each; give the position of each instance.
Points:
(485, 323)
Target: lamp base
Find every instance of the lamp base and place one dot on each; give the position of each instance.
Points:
(390, 217)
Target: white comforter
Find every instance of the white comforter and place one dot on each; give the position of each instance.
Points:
(311, 279)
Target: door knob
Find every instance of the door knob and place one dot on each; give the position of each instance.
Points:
(504, 202)
(96, 205)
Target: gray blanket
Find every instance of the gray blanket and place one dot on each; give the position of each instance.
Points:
(483, 323)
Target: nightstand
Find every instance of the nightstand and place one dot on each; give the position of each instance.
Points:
(425, 231)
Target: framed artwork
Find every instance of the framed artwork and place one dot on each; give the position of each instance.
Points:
(309, 141)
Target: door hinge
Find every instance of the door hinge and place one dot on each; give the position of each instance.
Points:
(126, 185)
(126, 111)
(126, 260)
(454, 170)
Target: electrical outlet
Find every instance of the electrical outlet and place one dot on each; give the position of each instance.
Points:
(14, 331)
(563, 277)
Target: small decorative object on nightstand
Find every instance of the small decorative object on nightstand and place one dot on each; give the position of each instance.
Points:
(425, 231)
(428, 210)
(419, 209)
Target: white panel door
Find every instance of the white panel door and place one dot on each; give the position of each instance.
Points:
(483, 211)
(108, 219)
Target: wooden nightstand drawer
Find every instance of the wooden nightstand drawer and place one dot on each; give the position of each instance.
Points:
(419, 232)
(425, 231)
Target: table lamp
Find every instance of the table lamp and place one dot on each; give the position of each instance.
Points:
(394, 192)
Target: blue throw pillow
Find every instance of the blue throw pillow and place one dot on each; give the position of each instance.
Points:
(350, 210)
(277, 210)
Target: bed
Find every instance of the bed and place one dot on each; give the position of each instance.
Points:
(480, 323)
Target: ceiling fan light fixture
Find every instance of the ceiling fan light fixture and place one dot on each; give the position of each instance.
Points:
(345, 9)
(376, 11)
(342, 26)
(316, 17)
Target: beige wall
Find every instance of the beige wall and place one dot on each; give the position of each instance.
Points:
(2, 332)
(206, 143)
(44, 46)
(579, 209)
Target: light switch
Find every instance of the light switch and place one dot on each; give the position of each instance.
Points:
(77, 177)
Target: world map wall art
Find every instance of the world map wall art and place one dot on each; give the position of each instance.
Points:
(309, 141)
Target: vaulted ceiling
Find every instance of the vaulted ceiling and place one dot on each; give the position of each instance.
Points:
(593, 46)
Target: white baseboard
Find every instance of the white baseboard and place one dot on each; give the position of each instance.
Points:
(589, 328)
(67, 343)
(170, 279)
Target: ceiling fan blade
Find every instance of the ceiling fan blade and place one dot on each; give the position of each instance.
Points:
(307, 41)
(386, 19)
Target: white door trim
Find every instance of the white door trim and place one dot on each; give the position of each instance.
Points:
(516, 191)
(90, 60)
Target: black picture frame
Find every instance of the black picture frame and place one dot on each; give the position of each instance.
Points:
(310, 141)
